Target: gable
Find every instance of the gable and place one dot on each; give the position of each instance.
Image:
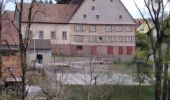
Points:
(105, 12)
(143, 28)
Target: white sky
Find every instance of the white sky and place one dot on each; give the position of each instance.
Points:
(129, 4)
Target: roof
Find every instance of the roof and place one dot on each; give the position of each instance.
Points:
(9, 33)
(41, 44)
(49, 13)
(139, 21)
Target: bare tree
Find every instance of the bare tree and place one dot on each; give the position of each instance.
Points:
(157, 35)
(24, 37)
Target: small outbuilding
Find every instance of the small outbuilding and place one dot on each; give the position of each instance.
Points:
(39, 52)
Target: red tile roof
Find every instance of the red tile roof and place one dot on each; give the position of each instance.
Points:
(50, 13)
(9, 32)
(40, 44)
(139, 21)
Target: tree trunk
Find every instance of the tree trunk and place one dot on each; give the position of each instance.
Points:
(165, 83)
(158, 73)
(24, 68)
(169, 89)
(0, 28)
(158, 88)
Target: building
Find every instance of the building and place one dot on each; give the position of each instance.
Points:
(39, 52)
(85, 28)
(10, 62)
(143, 27)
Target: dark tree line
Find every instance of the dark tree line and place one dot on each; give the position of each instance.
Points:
(159, 36)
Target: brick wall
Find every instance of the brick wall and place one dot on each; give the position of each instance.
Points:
(11, 64)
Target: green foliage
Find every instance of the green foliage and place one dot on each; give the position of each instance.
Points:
(9, 97)
(142, 41)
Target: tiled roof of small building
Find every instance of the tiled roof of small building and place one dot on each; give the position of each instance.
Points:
(9, 32)
(40, 44)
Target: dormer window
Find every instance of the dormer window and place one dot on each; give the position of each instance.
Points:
(84, 16)
(97, 16)
(93, 8)
(120, 17)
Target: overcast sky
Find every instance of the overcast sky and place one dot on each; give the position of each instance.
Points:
(129, 4)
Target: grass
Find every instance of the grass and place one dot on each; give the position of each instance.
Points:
(9, 97)
(104, 92)
(108, 92)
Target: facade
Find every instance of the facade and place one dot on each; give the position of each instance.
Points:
(85, 28)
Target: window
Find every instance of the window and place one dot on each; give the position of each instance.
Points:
(78, 38)
(92, 39)
(113, 39)
(127, 39)
(141, 29)
(118, 38)
(129, 28)
(130, 38)
(133, 39)
(64, 35)
(122, 39)
(93, 8)
(78, 28)
(120, 50)
(107, 38)
(12, 70)
(119, 28)
(92, 28)
(84, 16)
(129, 50)
(100, 39)
(108, 28)
(53, 35)
(120, 17)
(93, 0)
(111, 0)
(79, 47)
(97, 16)
(41, 35)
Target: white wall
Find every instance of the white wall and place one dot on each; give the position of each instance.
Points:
(109, 13)
(47, 28)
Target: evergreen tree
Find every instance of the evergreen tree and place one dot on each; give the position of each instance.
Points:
(62, 1)
(50, 2)
(40, 1)
(46, 1)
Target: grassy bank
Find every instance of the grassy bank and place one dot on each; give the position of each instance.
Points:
(108, 92)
